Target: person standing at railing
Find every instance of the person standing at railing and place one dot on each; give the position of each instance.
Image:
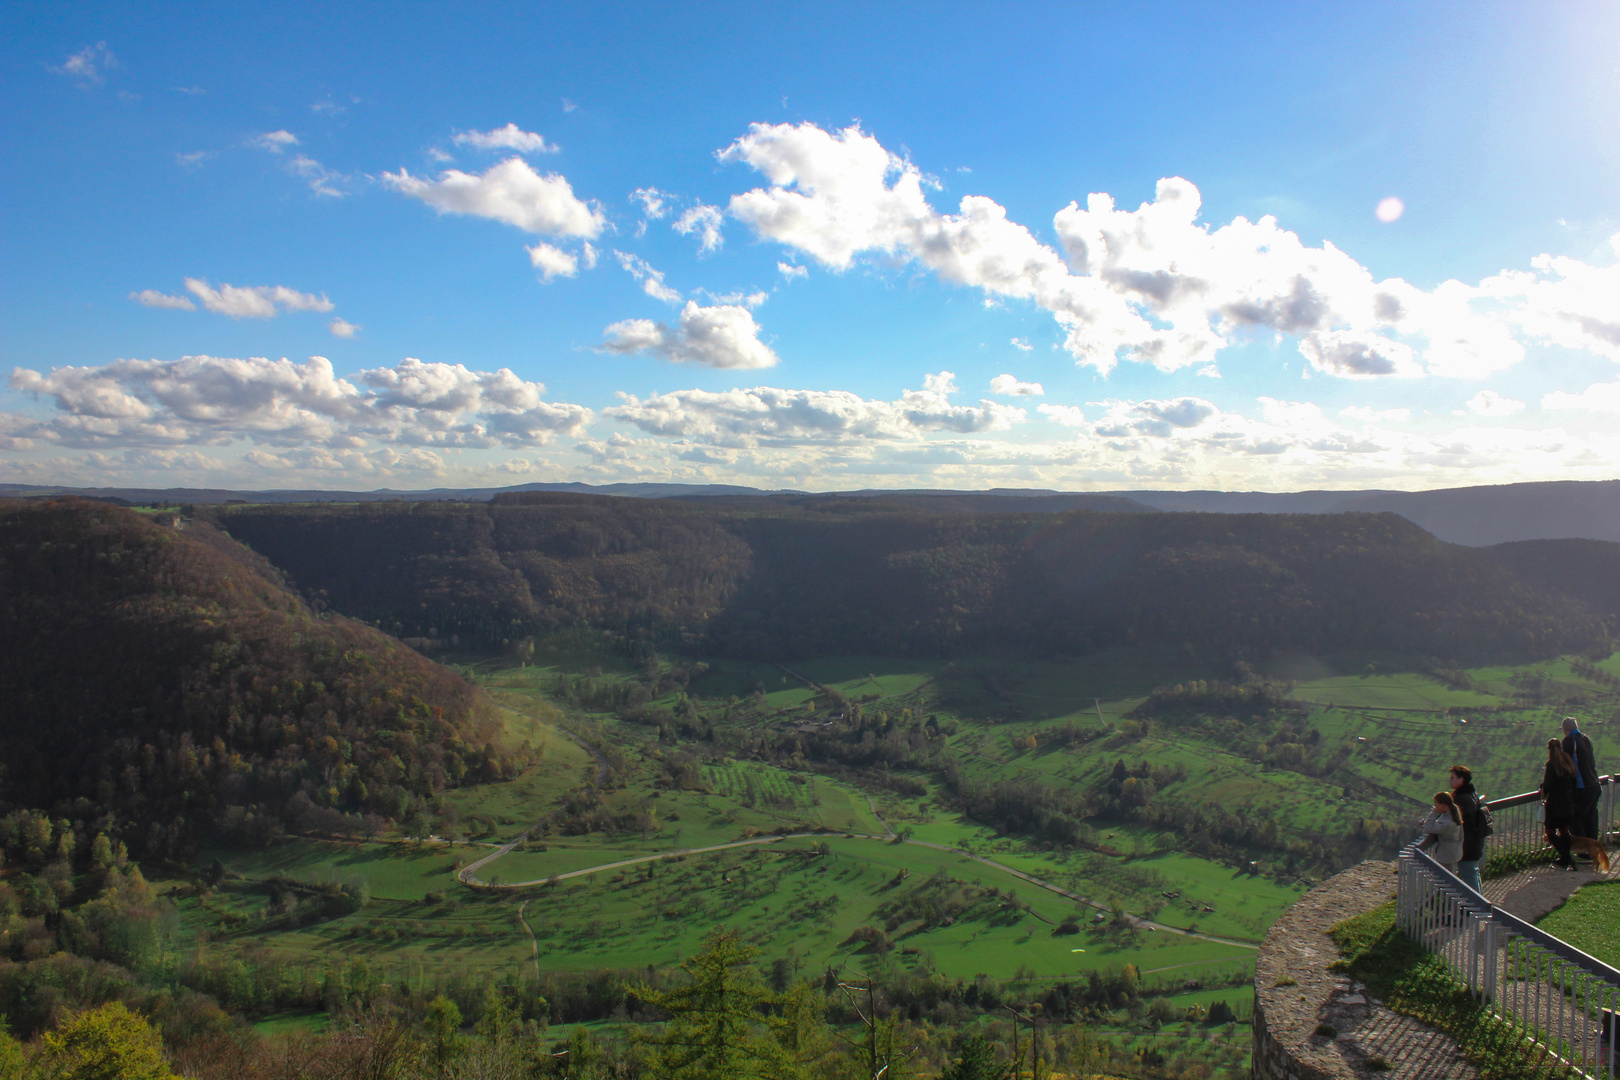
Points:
(1558, 800)
(1588, 793)
(1443, 830)
(1466, 800)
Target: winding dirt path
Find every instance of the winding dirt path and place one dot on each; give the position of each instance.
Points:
(534, 942)
(468, 878)
(468, 875)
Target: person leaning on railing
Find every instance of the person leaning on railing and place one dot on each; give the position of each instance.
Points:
(1558, 800)
(1473, 825)
(1443, 829)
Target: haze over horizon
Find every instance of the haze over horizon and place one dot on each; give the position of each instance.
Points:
(1074, 248)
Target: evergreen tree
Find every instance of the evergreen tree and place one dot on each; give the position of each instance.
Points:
(977, 1062)
(719, 1025)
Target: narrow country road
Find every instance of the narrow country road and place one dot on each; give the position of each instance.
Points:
(469, 878)
(468, 875)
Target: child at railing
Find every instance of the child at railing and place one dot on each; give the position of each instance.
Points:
(1443, 831)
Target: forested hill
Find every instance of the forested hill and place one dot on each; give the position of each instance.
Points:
(1589, 569)
(865, 575)
(163, 684)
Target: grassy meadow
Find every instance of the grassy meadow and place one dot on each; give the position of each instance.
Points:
(1367, 744)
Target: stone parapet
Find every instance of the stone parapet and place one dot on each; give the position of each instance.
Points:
(1314, 1023)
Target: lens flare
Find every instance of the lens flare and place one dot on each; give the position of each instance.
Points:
(1390, 209)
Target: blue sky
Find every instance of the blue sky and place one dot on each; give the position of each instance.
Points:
(441, 203)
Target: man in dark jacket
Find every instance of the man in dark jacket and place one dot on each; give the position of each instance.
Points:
(1587, 792)
(1467, 800)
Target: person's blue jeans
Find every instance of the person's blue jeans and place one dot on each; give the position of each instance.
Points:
(1469, 873)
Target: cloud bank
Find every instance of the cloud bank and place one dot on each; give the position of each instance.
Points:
(1154, 285)
(238, 302)
(216, 401)
(767, 416)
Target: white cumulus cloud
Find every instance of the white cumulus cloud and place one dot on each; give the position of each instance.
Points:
(652, 281)
(89, 66)
(275, 141)
(255, 301)
(654, 203)
(720, 336)
(1155, 285)
(510, 192)
(552, 262)
(768, 416)
(705, 221)
(1490, 403)
(1375, 416)
(208, 400)
(510, 137)
(343, 328)
(1599, 397)
(1067, 415)
(1012, 387)
(153, 298)
(791, 272)
(321, 180)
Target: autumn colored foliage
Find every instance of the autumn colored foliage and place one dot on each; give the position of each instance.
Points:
(163, 684)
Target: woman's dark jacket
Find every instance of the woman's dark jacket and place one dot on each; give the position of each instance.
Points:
(1467, 800)
(1560, 794)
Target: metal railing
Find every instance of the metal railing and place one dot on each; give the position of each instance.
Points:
(1563, 1004)
(1517, 832)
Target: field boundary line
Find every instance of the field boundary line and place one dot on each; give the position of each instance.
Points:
(471, 881)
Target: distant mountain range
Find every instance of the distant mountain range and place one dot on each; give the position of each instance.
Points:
(1475, 516)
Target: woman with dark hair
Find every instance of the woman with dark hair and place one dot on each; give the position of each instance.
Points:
(1473, 817)
(1443, 831)
(1558, 800)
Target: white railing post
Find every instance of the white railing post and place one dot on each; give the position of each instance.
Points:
(1539, 985)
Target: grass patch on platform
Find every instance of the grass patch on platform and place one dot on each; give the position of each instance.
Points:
(1412, 981)
(1590, 921)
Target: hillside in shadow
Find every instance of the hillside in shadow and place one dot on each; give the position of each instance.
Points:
(773, 580)
(166, 685)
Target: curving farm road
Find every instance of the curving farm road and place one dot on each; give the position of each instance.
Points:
(468, 877)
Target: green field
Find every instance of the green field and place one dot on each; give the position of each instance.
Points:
(394, 871)
(713, 762)
(786, 896)
(1590, 921)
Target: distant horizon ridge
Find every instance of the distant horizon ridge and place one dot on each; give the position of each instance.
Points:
(1476, 516)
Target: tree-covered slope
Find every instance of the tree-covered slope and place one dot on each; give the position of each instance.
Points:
(1589, 569)
(165, 684)
(863, 575)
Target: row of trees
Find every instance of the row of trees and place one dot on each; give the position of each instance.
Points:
(719, 1018)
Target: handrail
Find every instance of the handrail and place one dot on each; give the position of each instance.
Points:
(1478, 904)
(1535, 796)
(1564, 1003)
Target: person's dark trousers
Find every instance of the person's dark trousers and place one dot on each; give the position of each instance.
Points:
(1586, 813)
(1558, 837)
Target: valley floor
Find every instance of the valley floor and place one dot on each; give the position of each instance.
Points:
(832, 795)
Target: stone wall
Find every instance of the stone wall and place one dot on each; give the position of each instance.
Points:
(1314, 1023)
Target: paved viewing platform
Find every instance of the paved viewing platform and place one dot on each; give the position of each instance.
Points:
(1312, 1022)
(1533, 892)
